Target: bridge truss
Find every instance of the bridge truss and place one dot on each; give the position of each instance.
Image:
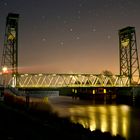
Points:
(69, 80)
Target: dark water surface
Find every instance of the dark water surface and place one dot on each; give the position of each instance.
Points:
(117, 119)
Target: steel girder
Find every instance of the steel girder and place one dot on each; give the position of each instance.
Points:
(69, 80)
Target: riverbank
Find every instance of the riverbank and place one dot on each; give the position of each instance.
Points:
(18, 122)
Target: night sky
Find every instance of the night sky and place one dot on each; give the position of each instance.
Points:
(70, 36)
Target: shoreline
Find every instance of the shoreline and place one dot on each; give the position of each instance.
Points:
(22, 122)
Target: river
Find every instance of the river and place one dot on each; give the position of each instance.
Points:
(117, 119)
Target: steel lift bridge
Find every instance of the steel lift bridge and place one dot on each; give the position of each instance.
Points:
(129, 65)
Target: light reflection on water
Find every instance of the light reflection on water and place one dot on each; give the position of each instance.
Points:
(115, 119)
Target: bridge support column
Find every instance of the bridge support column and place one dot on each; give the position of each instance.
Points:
(10, 50)
(129, 62)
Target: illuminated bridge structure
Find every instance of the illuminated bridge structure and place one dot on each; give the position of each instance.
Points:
(69, 80)
(129, 65)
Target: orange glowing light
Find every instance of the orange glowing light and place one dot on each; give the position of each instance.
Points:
(4, 70)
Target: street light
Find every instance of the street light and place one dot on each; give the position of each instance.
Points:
(4, 69)
(4, 73)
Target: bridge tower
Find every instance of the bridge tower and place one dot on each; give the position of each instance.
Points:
(129, 62)
(10, 51)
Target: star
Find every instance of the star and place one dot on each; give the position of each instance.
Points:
(79, 12)
(80, 5)
(109, 37)
(71, 29)
(62, 43)
(93, 30)
(44, 39)
(65, 22)
(43, 17)
(5, 4)
(77, 37)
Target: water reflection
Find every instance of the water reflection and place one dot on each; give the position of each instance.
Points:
(112, 118)
(116, 119)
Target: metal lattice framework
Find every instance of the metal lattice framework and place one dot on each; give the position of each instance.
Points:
(10, 51)
(70, 80)
(129, 63)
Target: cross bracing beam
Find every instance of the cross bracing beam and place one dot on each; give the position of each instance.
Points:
(69, 80)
